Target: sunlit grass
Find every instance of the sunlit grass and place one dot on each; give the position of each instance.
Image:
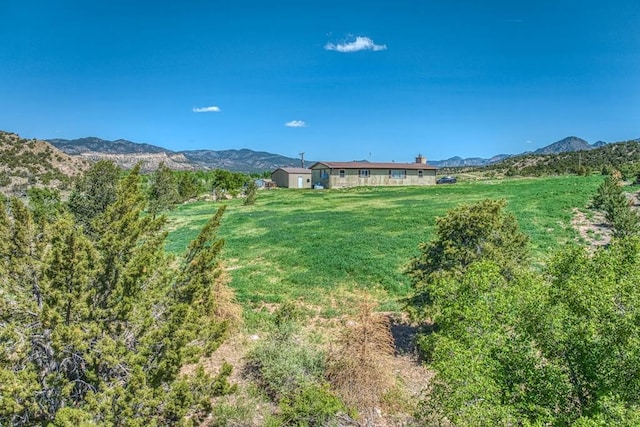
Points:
(305, 244)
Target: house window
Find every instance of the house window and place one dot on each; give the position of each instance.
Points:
(420, 174)
(324, 173)
(364, 173)
(341, 173)
(397, 173)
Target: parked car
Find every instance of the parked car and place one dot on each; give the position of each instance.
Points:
(447, 180)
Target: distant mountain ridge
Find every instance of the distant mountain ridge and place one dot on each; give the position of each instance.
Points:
(457, 161)
(565, 145)
(93, 144)
(243, 160)
(127, 153)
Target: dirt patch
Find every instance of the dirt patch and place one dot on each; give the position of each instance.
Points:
(593, 228)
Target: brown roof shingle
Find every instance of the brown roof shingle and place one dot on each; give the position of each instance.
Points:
(372, 165)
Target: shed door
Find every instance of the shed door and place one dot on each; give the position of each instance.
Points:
(300, 182)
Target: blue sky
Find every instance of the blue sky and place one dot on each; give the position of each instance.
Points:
(338, 80)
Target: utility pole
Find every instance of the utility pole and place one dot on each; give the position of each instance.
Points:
(579, 161)
(302, 159)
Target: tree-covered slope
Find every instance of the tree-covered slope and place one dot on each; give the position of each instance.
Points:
(622, 155)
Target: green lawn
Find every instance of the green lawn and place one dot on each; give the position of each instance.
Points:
(317, 246)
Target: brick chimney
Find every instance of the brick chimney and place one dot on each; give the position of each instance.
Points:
(421, 159)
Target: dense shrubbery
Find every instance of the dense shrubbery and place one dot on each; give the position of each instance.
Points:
(514, 346)
(467, 235)
(166, 188)
(96, 326)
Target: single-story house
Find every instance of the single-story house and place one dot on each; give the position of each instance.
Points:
(292, 177)
(353, 174)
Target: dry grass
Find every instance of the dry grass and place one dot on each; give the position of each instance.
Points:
(359, 369)
(227, 308)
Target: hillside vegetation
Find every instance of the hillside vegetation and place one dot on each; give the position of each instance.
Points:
(97, 321)
(624, 156)
(33, 163)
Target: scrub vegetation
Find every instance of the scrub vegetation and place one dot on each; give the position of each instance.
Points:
(467, 305)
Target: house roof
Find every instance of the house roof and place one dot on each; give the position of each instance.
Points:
(294, 170)
(372, 165)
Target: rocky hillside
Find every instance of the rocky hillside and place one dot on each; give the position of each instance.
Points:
(29, 162)
(126, 154)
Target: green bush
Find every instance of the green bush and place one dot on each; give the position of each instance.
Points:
(292, 372)
(313, 405)
(618, 212)
(558, 346)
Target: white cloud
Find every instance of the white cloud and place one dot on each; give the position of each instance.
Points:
(212, 109)
(360, 43)
(296, 124)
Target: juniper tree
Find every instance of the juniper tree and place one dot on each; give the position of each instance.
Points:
(93, 192)
(96, 328)
(468, 234)
(163, 190)
(251, 193)
(611, 199)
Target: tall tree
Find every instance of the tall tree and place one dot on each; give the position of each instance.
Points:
(612, 200)
(189, 185)
(45, 204)
(163, 190)
(93, 192)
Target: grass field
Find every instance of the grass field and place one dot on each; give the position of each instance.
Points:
(320, 246)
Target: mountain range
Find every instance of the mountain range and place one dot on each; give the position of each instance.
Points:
(568, 144)
(127, 153)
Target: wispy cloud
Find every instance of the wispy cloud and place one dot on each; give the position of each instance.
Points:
(355, 45)
(211, 109)
(296, 124)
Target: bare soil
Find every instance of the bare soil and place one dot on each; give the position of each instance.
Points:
(593, 229)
